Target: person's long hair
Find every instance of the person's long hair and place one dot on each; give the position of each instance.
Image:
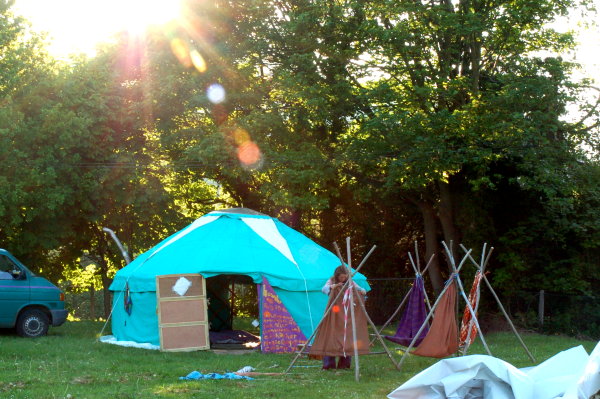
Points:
(341, 269)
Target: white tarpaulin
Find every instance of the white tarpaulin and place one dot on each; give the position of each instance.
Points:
(589, 383)
(111, 339)
(482, 376)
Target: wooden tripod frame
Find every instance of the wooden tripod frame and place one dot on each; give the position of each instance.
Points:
(347, 284)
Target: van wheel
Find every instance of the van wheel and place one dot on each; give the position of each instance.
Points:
(32, 323)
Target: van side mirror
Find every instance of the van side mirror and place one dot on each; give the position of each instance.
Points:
(18, 274)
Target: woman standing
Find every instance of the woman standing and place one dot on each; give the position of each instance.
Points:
(334, 337)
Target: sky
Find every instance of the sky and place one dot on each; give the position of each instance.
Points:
(76, 26)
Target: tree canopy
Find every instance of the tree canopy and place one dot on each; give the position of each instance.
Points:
(387, 121)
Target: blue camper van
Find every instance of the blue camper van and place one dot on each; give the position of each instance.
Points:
(28, 302)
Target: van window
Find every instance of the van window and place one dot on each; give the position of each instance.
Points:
(7, 267)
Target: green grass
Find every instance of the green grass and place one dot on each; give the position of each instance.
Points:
(70, 363)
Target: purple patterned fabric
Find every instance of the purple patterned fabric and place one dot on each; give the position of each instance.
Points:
(413, 317)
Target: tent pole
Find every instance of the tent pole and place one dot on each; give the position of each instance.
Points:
(412, 263)
(452, 261)
(512, 326)
(351, 297)
(365, 259)
(482, 255)
(484, 260)
(462, 292)
(423, 273)
(378, 335)
(364, 309)
(417, 255)
(468, 341)
(478, 296)
(327, 310)
(393, 315)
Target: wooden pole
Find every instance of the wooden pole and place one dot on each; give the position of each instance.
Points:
(351, 298)
(512, 326)
(462, 292)
(412, 263)
(364, 309)
(423, 273)
(378, 335)
(482, 254)
(478, 293)
(541, 305)
(361, 263)
(417, 255)
(393, 315)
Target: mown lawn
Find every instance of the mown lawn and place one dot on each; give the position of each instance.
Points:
(70, 363)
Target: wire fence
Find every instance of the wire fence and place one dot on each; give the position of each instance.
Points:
(556, 313)
(540, 311)
(385, 296)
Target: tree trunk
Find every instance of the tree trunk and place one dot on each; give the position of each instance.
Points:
(92, 303)
(245, 194)
(446, 215)
(328, 230)
(431, 245)
(106, 281)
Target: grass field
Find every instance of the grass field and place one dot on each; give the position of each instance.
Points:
(70, 363)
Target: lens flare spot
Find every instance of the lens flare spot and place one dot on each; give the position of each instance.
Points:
(215, 93)
(335, 309)
(249, 154)
(181, 51)
(198, 61)
(240, 136)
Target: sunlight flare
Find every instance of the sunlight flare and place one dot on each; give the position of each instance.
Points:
(137, 15)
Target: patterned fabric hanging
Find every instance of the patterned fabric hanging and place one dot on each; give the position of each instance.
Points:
(127, 300)
(442, 339)
(468, 329)
(334, 336)
(413, 317)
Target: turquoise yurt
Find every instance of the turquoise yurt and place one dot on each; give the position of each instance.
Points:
(237, 242)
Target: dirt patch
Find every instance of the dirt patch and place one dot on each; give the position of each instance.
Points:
(232, 351)
(8, 386)
(493, 322)
(82, 380)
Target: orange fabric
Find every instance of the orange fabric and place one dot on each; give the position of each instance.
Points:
(468, 329)
(442, 339)
(331, 339)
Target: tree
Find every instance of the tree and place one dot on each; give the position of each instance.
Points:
(461, 92)
(78, 155)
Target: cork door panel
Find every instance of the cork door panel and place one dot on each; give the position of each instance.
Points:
(184, 338)
(165, 285)
(182, 312)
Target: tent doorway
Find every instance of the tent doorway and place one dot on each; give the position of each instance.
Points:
(232, 305)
